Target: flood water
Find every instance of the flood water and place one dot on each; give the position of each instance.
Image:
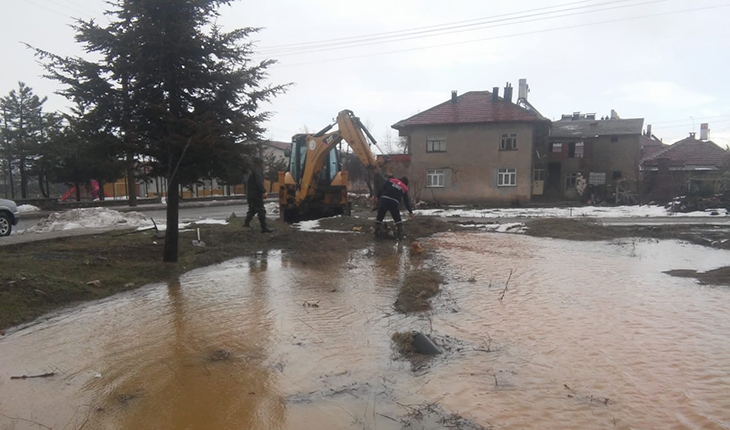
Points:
(588, 335)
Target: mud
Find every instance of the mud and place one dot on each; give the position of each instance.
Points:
(720, 276)
(416, 289)
(715, 236)
(587, 335)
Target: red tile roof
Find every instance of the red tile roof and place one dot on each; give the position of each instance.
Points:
(469, 108)
(649, 147)
(691, 153)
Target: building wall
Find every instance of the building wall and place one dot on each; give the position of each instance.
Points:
(471, 163)
(618, 160)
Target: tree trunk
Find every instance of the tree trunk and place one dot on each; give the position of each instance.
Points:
(78, 191)
(23, 180)
(131, 181)
(40, 185)
(12, 185)
(101, 190)
(171, 234)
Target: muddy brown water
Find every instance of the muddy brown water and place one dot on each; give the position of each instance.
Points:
(588, 335)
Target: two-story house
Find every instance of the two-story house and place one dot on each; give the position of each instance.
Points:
(589, 157)
(475, 148)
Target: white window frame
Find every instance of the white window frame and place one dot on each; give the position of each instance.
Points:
(508, 142)
(435, 178)
(579, 150)
(556, 147)
(597, 178)
(436, 144)
(538, 174)
(507, 177)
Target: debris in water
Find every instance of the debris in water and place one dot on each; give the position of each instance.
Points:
(220, 355)
(96, 283)
(45, 375)
(418, 286)
(416, 248)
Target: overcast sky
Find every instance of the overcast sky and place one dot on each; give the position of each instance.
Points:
(665, 61)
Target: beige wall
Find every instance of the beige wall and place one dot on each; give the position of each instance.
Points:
(623, 155)
(471, 161)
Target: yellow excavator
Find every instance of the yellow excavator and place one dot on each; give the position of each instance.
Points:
(315, 185)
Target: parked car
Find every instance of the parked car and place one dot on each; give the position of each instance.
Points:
(8, 216)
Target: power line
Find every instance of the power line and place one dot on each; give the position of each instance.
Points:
(71, 8)
(689, 119)
(410, 30)
(457, 29)
(47, 8)
(326, 60)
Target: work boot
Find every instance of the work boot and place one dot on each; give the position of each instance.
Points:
(265, 228)
(400, 234)
(247, 222)
(378, 226)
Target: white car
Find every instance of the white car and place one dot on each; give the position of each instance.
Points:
(8, 216)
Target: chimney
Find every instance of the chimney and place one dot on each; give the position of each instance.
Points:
(576, 115)
(692, 135)
(453, 96)
(648, 131)
(523, 90)
(704, 131)
(495, 94)
(614, 114)
(508, 92)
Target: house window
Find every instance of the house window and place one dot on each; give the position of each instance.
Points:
(616, 175)
(538, 175)
(595, 178)
(507, 177)
(508, 142)
(575, 150)
(436, 144)
(570, 180)
(557, 147)
(435, 178)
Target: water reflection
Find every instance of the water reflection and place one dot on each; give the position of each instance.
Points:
(588, 335)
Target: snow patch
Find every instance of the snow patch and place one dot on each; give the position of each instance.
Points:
(89, 218)
(211, 221)
(313, 226)
(511, 227)
(646, 211)
(28, 208)
(272, 207)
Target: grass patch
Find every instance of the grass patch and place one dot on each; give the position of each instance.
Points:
(38, 277)
(403, 343)
(590, 230)
(719, 276)
(570, 229)
(418, 286)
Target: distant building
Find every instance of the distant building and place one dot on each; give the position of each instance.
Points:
(690, 166)
(476, 147)
(590, 158)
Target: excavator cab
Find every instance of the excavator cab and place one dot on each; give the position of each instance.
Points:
(315, 185)
(298, 159)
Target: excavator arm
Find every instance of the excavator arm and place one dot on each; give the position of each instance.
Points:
(353, 132)
(306, 188)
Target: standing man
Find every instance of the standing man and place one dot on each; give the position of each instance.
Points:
(389, 197)
(256, 194)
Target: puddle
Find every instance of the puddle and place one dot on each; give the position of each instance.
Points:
(587, 335)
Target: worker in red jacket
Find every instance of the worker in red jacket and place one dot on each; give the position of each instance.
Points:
(389, 197)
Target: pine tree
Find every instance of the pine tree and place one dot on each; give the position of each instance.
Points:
(178, 91)
(22, 130)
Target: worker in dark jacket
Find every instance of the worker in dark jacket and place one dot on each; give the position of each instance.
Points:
(256, 194)
(389, 197)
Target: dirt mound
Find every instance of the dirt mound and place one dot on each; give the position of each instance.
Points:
(719, 276)
(417, 287)
(570, 229)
